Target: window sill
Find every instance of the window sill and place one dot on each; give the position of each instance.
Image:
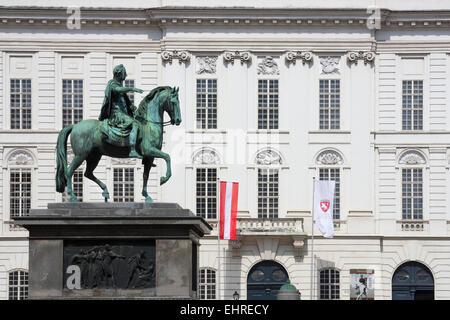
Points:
(267, 131)
(410, 132)
(196, 131)
(329, 132)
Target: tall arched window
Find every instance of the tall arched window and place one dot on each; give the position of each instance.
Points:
(412, 164)
(268, 162)
(330, 163)
(329, 284)
(20, 166)
(207, 284)
(206, 162)
(18, 285)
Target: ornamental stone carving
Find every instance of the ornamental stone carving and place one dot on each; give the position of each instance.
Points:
(268, 157)
(268, 66)
(123, 161)
(206, 65)
(330, 65)
(243, 56)
(412, 157)
(182, 56)
(20, 158)
(206, 156)
(329, 157)
(367, 56)
(291, 56)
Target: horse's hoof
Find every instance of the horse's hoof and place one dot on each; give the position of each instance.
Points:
(74, 199)
(162, 180)
(148, 199)
(105, 195)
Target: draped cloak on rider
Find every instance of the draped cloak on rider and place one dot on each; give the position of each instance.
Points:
(118, 117)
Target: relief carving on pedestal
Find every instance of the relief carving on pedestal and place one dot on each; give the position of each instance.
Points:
(122, 266)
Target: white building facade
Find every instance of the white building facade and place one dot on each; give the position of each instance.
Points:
(272, 96)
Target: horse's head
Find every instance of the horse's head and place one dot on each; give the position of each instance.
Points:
(172, 107)
(162, 99)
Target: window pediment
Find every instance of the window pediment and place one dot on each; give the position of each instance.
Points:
(329, 157)
(20, 158)
(206, 157)
(412, 158)
(268, 157)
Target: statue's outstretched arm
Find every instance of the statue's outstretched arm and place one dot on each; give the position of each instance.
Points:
(127, 89)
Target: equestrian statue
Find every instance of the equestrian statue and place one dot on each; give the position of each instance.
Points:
(122, 131)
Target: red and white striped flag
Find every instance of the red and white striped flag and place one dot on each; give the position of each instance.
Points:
(228, 209)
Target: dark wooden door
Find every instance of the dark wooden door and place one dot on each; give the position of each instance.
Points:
(412, 281)
(264, 280)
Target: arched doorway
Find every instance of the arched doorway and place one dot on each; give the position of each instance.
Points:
(412, 281)
(265, 279)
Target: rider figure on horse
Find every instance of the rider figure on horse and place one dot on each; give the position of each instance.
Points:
(118, 110)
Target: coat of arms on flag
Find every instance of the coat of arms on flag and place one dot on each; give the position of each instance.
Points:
(325, 205)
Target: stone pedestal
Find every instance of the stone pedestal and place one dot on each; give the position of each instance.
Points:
(113, 250)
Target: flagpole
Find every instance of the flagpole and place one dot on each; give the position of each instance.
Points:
(312, 242)
(218, 237)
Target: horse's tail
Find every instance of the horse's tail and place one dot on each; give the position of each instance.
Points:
(61, 158)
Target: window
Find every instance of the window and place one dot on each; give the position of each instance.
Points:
(72, 101)
(17, 285)
(207, 285)
(20, 192)
(20, 100)
(206, 104)
(267, 193)
(267, 104)
(329, 284)
(123, 185)
(333, 174)
(329, 105)
(77, 186)
(412, 193)
(206, 199)
(412, 105)
(129, 83)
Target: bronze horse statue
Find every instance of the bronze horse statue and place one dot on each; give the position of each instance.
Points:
(89, 143)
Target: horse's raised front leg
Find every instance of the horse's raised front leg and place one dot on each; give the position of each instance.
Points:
(91, 163)
(155, 153)
(148, 164)
(76, 162)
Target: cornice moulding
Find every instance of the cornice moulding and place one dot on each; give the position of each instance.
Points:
(108, 17)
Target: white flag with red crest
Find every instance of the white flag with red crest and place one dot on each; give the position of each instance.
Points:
(323, 206)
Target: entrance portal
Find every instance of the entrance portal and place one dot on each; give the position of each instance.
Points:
(265, 280)
(412, 281)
